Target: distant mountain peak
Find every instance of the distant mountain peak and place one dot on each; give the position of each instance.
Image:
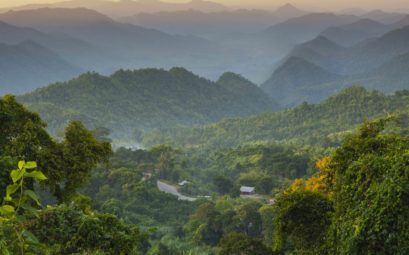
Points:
(287, 6)
(289, 10)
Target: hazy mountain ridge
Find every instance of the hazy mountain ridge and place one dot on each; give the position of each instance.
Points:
(128, 46)
(126, 8)
(27, 65)
(214, 24)
(295, 80)
(363, 64)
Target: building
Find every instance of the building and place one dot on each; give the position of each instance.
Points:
(245, 190)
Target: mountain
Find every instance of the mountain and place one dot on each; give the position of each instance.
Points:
(375, 53)
(296, 79)
(146, 99)
(74, 50)
(324, 123)
(128, 46)
(288, 11)
(28, 65)
(351, 34)
(321, 52)
(213, 24)
(353, 11)
(404, 22)
(392, 76)
(117, 9)
(206, 24)
(301, 29)
(376, 64)
(360, 58)
(383, 17)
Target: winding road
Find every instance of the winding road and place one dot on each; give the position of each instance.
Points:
(164, 187)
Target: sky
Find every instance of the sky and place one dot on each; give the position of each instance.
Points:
(320, 4)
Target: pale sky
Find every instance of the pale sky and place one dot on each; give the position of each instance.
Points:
(322, 4)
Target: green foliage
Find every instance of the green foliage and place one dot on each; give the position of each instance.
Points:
(324, 124)
(241, 244)
(146, 99)
(67, 163)
(18, 206)
(302, 219)
(223, 184)
(79, 232)
(364, 209)
(81, 152)
(267, 216)
(371, 192)
(213, 220)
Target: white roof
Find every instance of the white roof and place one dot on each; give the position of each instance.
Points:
(246, 189)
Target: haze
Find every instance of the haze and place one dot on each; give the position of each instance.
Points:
(317, 4)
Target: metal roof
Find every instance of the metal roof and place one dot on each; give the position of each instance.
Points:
(247, 189)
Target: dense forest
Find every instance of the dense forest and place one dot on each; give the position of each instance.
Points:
(74, 195)
(144, 99)
(307, 124)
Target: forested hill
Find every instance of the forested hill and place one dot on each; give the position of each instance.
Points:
(145, 99)
(323, 123)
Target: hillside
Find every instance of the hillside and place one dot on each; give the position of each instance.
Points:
(365, 64)
(148, 98)
(214, 24)
(351, 34)
(301, 29)
(307, 124)
(28, 65)
(128, 46)
(295, 80)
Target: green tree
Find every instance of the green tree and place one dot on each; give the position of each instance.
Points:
(241, 244)
(78, 154)
(67, 164)
(223, 184)
(302, 219)
(371, 190)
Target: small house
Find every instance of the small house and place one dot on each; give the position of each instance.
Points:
(245, 190)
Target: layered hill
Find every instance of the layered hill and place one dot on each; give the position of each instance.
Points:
(301, 29)
(351, 34)
(309, 124)
(295, 80)
(146, 99)
(27, 65)
(214, 24)
(129, 46)
(117, 9)
(376, 64)
(74, 50)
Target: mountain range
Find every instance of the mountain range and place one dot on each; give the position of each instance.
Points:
(27, 65)
(147, 98)
(117, 9)
(119, 45)
(214, 24)
(335, 67)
